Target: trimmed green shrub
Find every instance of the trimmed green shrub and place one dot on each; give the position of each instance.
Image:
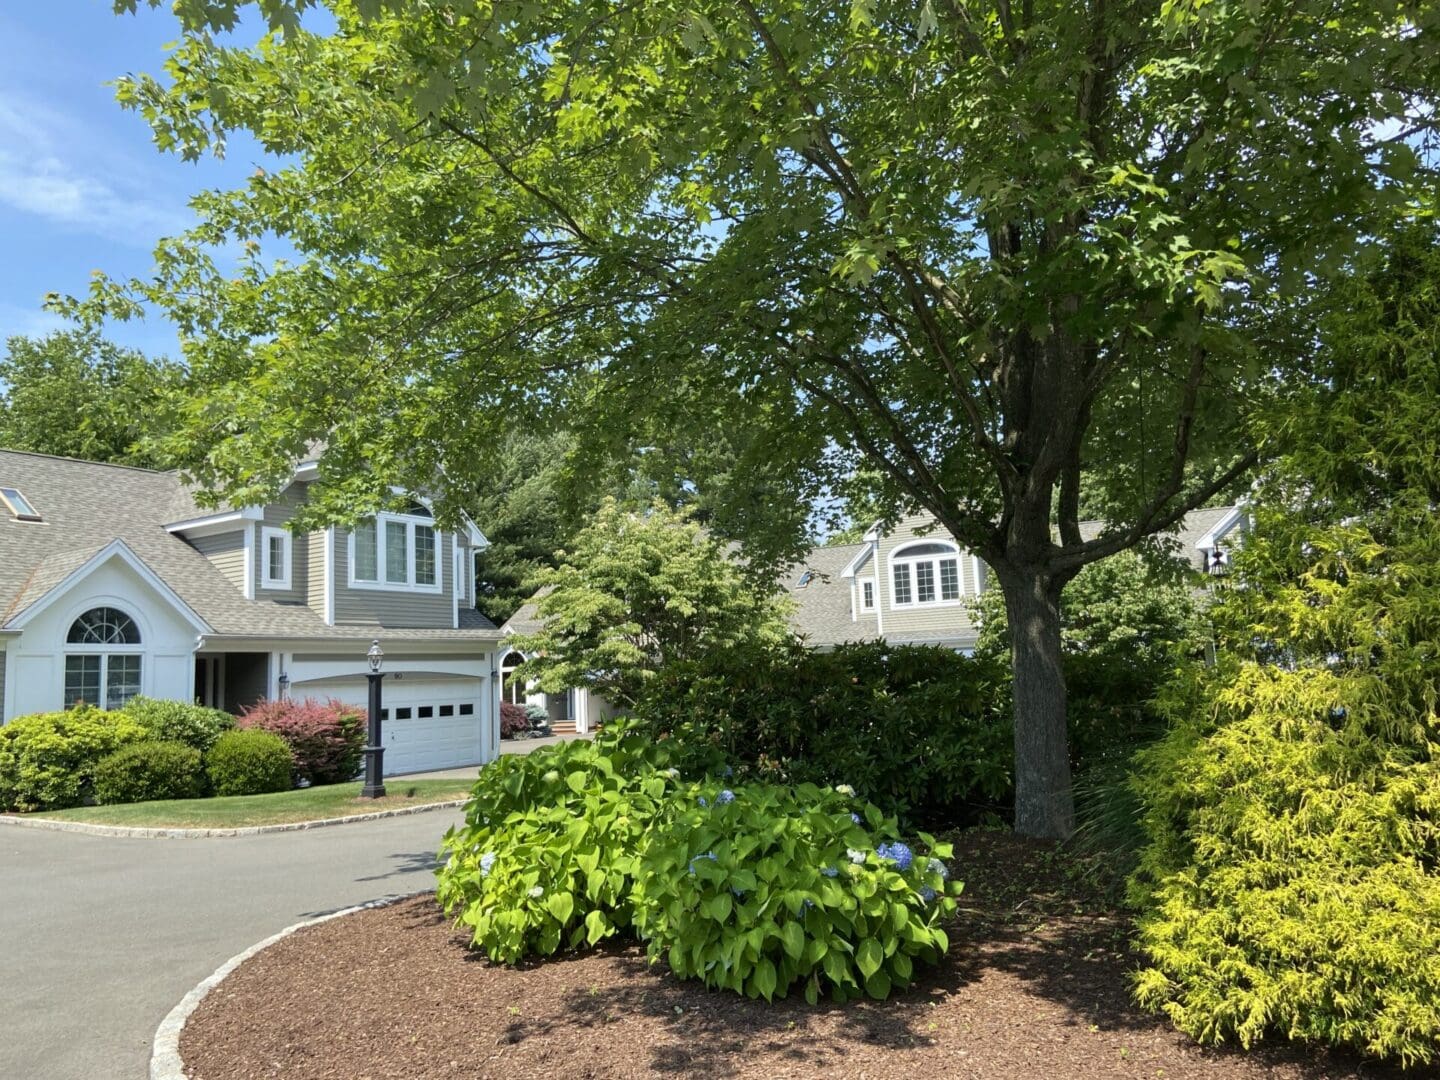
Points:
(48, 760)
(249, 763)
(179, 721)
(576, 843)
(327, 738)
(924, 733)
(145, 771)
(762, 887)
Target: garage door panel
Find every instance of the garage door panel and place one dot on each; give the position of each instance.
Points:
(426, 723)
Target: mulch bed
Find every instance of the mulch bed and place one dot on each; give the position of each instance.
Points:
(1035, 986)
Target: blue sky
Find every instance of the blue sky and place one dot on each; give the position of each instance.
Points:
(82, 187)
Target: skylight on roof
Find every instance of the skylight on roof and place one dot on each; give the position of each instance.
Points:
(19, 506)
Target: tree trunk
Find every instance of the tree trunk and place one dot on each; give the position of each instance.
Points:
(1044, 804)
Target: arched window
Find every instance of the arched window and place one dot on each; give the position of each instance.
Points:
(102, 659)
(926, 573)
(511, 688)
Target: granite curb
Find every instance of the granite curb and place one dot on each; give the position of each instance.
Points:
(165, 1061)
(55, 825)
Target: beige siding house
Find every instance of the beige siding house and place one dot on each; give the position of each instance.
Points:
(913, 584)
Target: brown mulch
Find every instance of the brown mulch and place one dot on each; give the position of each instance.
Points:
(1035, 986)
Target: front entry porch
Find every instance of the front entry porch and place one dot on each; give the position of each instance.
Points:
(232, 681)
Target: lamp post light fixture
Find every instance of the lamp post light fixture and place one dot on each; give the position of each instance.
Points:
(374, 752)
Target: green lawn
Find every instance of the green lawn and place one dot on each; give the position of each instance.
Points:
(237, 811)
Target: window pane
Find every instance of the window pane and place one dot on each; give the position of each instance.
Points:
(949, 579)
(103, 626)
(902, 584)
(122, 680)
(82, 680)
(424, 555)
(366, 567)
(924, 549)
(397, 554)
(924, 582)
(277, 558)
(867, 595)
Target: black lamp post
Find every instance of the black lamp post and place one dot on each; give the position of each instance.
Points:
(374, 753)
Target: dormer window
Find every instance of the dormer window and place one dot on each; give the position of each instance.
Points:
(396, 551)
(927, 573)
(19, 506)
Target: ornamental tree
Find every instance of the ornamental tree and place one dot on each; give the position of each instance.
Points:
(637, 591)
(981, 248)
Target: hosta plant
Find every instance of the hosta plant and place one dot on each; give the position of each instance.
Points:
(764, 887)
(547, 855)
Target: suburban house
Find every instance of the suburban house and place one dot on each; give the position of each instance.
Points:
(910, 584)
(114, 582)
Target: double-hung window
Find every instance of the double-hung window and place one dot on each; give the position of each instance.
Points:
(396, 551)
(274, 558)
(924, 574)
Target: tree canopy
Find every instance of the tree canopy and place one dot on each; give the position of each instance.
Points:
(637, 591)
(74, 394)
(982, 249)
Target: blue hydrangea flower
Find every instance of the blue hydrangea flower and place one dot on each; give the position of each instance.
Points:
(728, 772)
(486, 862)
(806, 905)
(856, 818)
(857, 857)
(928, 894)
(703, 855)
(726, 796)
(704, 801)
(897, 853)
(830, 871)
(935, 866)
(739, 894)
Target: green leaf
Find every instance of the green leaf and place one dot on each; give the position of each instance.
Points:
(792, 937)
(561, 905)
(869, 956)
(576, 781)
(596, 927)
(764, 978)
(878, 986)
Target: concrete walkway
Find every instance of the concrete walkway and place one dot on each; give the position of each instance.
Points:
(100, 937)
(507, 746)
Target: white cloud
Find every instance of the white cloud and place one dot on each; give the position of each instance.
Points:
(39, 175)
(30, 322)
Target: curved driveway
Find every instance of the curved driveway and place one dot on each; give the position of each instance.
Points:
(100, 937)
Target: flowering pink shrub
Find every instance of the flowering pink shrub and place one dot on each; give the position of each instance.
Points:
(326, 737)
(513, 720)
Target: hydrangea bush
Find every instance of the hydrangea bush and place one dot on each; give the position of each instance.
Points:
(764, 887)
(547, 854)
(753, 888)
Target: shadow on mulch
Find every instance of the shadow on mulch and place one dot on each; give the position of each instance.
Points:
(1036, 985)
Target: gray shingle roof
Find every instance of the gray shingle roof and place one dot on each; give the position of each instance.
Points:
(86, 505)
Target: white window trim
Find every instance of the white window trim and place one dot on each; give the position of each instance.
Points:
(104, 651)
(865, 608)
(409, 586)
(267, 578)
(898, 559)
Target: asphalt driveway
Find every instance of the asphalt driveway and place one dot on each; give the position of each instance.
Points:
(100, 937)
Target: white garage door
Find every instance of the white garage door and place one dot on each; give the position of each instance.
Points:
(427, 722)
